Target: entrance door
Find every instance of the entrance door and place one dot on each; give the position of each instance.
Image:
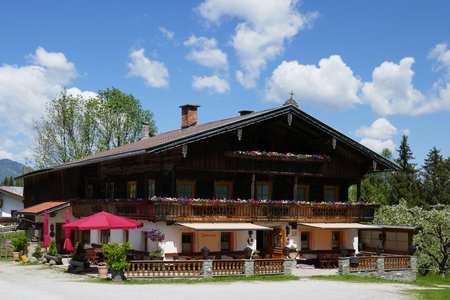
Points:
(277, 241)
(59, 237)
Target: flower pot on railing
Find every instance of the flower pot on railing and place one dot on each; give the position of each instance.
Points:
(102, 271)
(16, 256)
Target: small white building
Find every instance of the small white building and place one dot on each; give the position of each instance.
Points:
(11, 200)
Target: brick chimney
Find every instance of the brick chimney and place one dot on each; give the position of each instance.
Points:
(145, 131)
(188, 115)
(245, 112)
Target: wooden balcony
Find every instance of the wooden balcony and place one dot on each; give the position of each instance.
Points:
(172, 211)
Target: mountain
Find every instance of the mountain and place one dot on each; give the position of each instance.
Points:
(10, 168)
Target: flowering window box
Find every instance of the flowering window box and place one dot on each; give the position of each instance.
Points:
(262, 155)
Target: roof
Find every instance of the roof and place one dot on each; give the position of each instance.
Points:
(224, 226)
(50, 206)
(179, 137)
(340, 226)
(12, 190)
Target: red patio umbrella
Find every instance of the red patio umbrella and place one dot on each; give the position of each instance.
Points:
(46, 237)
(103, 221)
(67, 242)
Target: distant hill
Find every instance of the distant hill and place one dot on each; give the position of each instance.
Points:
(10, 168)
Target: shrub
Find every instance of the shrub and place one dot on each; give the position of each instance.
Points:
(115, 255)
(52, 249)
(37, 253)
(19, 243)
(79, 252)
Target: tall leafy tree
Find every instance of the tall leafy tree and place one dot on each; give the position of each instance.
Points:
(405, 184)
(75, 127)
(436, 178)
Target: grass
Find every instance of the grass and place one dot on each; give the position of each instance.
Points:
(200, 280)
(432, 287)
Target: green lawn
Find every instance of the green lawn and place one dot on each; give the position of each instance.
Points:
(431, 287)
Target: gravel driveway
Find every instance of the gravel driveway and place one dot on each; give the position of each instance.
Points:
(38, 282)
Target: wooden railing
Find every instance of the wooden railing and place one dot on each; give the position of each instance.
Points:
(397, 262)
(365, 263)
(227, 212)
(268, 266)
(160, 268)
(228, 267)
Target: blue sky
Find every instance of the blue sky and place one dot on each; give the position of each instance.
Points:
(372, 70)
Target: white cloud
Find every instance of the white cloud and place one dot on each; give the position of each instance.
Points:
(391, 90)
(441, 54)
(331, 84)
(206, 53)
(380, 129)
(84, 94)
(266, 26)
(378, 145)
(24, 92)
(154, 73)
(378, 135)
(166, 32)
(212, 83)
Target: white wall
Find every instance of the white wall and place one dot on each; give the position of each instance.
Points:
(9, 204)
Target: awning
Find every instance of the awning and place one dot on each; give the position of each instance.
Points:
(330, 226)
(224, 226)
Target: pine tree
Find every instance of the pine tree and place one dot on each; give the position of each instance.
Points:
(436, 178)
(405, 183)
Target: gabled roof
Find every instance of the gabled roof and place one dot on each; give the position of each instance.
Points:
(177, 138)
(50, 206)
(16, 191)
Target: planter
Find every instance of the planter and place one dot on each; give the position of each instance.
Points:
(102, 271)
(57, 259)
(292, 255)
(77, 266)
(117, 275)
(152, 257)
(16, 256)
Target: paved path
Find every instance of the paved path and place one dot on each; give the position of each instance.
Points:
(38, 282)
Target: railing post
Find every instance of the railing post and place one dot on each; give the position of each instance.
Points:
(249, 267)
(207, 268)
(344, 265)
(380, 265)
(413, 266)
(287, 266)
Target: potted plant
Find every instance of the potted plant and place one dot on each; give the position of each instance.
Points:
(37, 253)
(102, 270)
(52, 254)
(78, 262)
(20, 244)
(156, 255)
(116, 259)
(293, 252)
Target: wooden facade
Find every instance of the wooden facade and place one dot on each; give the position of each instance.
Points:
(212, 154)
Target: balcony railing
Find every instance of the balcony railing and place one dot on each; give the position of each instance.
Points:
(288, 211)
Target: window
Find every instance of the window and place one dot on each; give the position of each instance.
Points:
(110, 190)
(304, 241)
(335, 240)
(263, 190)
(89, 191)
(187, 242)
(131, 189)
(151, 188)
(331, 193)
(302, 192)
(223, 189)
(225, 241)
(185, 188)
(104, 236)
(85, 237)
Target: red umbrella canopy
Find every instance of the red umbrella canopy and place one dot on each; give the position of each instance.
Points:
(46, 237)
(67, 242)
(102, 221)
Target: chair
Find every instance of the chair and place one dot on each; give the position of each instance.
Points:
(91, 256)
(325, 261)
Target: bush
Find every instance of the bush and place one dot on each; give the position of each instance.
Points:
(37, 253)
(19, 243)
(116, 255)
(79, 252)
(52, 249)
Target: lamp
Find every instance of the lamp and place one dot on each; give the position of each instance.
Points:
(184, 150)
(239, 134)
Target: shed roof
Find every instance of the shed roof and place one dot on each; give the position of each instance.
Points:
(44, 206)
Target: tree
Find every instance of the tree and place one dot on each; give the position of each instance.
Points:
(405, 183)
(374, 186)
(75, 127)
(436, 178)
(433, 240)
